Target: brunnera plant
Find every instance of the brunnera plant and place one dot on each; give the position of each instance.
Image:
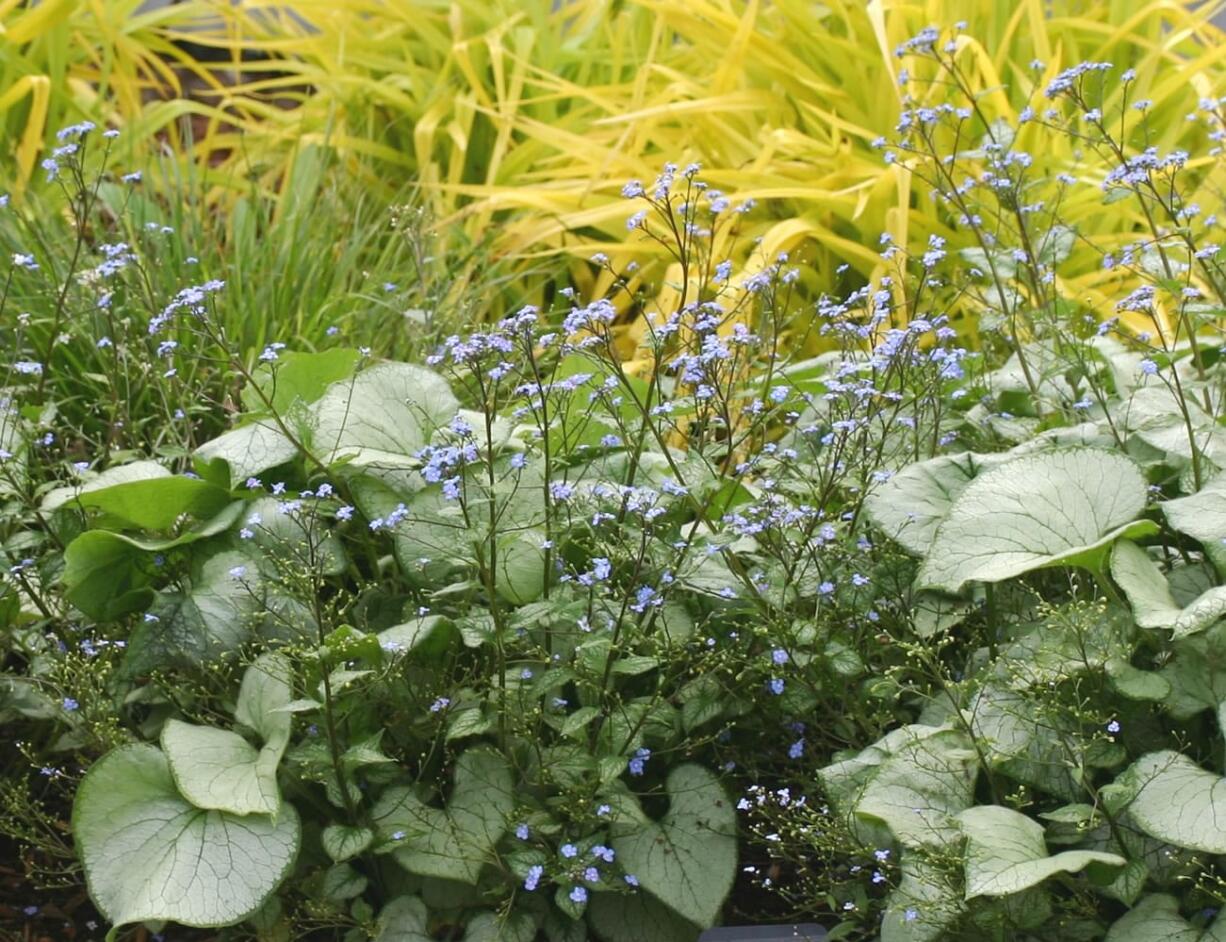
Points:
(462, 648)
(1053, 769)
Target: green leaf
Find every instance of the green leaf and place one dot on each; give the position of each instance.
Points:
(1202, 515)
(381, 417)
(702, 700)
(298, 378)
(1006, 853)
(344, 841)
(632, 665)
(264, 697)
(342, 882)
(149, 855)
(105, 576)
(365, 753)
(1053, 508)
(404, 919)
(1175, 800)
(575, 722)
(214, 768)
(455, 841)
(923, 906)
(933, 613)
(521, 568)
(157, 503)
(1150, 596)
(433, 542)
(299, 541)
(913, 781)
(215, 616)
(90, 482)
(638, 917)
(609, 768)
(488, 927)
(219, 523)
(1156, 919)
(1136, 684)
(218, 769)
(1056, 244)
(249, 450)
(1130, 884)
(303, 705)
(1003, 263)
(13, 446)
(1051, 650)
(1024, 746)
(429, 634)
(470, 722)
(1197, 673)
(1154, 414)
(912, 504)
(687, 859)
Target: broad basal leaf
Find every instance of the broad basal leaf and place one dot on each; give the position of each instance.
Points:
(1136, 684)
(150, 855)
(404, 919)
(1021, 744)
(154, 502)
(1202, 516)
(90, 482)
(1062, 507)
(913, 781)
(264, 695)
(106, 576)
(1043, 651)
(1156, 919)
(455, 841)
(933, 612)
(250, 449)
(299, 541)
(521, 567)
(213, 617)
(910, 506)
(297, 378)
(1150, 595)
(427, 634)
(13, 452)
(1006, 853)
(219, 769)
(1177, 801)
(687, 859)
(343, 841)
(639, 917)
(1154, 414)
(923, 906)
(1197, 673)
(488, 927)
(381, 417)
(341, 883)
(433, 542)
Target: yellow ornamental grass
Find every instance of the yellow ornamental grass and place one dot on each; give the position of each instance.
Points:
(519, 121)
(109, 61)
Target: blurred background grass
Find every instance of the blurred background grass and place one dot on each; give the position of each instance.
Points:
(290, 129)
